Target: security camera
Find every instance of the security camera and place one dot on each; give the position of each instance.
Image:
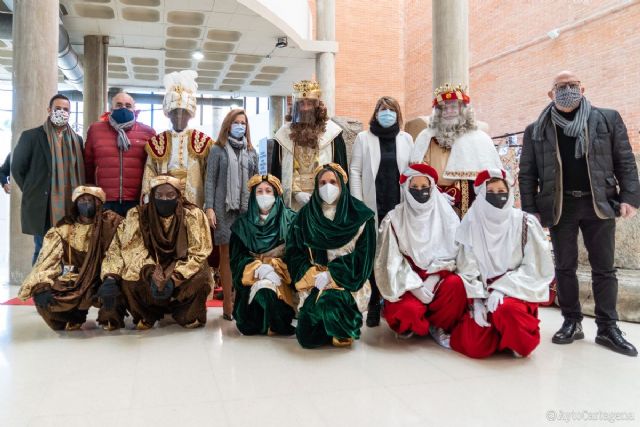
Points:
(282, 42)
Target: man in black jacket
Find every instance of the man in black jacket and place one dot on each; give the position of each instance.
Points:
(5, 172)
(46, 165)
(577, 172)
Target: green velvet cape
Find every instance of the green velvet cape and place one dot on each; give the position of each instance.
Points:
(249, 234)
(312, 230)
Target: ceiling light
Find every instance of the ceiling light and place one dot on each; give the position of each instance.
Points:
(197, 55)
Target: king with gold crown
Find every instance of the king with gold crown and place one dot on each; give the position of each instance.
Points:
(179, 152)
(308, 139)
(454, 146)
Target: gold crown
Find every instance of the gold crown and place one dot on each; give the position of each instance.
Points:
(448, 92)
(448, 87)
(306, 89)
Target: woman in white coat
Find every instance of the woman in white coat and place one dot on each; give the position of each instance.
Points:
(379, 156)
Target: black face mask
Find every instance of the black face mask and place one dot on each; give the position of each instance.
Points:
(498, 199)
(421, 195)
(86, 209)
(165, 208)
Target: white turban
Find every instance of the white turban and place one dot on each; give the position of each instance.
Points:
(181, 90)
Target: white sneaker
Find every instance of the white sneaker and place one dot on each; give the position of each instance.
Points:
(440, 336)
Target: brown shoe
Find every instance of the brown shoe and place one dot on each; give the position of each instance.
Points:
(193, 325)
(110, 327)
(342, 342)
(70, 326)
(142, 326)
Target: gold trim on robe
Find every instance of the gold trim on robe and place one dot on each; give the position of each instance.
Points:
(127, 254)
(283, 291)
(48, 267)
(191, 175)
(306, 284)
(324, 154)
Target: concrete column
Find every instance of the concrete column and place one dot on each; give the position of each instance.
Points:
(218, 116)
(276, 114)
(450, 33)
(35, 81)
(326, 61)
(96, 50)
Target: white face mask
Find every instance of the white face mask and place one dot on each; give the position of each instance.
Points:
(329, 193)
(265, 202)
(59, 117)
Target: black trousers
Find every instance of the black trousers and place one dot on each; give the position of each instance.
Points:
(599, 240)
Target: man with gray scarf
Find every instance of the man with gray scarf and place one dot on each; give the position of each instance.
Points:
(114, 154)
(577, 172)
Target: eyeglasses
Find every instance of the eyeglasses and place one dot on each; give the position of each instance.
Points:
(564, 85)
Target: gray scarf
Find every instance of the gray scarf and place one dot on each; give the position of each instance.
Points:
(237, 175)
(577, 128)
(123, 139)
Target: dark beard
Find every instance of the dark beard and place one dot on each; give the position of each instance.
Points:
(305, 135)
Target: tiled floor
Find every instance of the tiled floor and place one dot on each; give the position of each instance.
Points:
(215, 377)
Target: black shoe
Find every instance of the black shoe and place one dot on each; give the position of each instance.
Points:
(570, 331)
(612, 337)
(373, 315)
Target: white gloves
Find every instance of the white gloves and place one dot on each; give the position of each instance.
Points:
(322, 280)
(302, 197)
(423, 294)
(480, 313)
(449, 198)
(266, 272)
(430, 282)
(273, 278)
(494, 300)
(262, 271)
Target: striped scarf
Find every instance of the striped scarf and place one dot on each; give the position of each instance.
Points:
(121, 128)
(67, 169)
(576, 128)
(237, 197)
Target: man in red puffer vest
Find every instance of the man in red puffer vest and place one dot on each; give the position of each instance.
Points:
(114, 154)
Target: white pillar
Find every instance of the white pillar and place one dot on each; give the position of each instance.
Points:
(276, 114)
(35, 81)
(450, 33)
(218, 116)
(94, 97)
(326, 61)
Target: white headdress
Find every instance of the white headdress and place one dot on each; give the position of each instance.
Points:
(181, 90)
(425, 231)
(493, 234)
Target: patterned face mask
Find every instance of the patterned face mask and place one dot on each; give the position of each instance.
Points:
(568, 97)
(59, 117)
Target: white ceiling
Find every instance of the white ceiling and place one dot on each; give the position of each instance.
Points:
(149, 38)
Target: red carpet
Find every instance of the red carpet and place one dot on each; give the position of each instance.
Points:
(18, 301)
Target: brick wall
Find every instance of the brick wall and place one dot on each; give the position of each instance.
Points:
(509, 92)
(418, 63)
(385, 49)
(370, 63)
